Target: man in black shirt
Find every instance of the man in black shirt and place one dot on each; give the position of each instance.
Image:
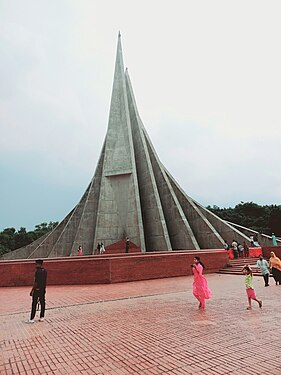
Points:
(127, 244)
(38, 291)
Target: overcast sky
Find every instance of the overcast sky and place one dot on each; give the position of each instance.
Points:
(207, 81)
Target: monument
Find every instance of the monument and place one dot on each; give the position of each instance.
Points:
(132, 195)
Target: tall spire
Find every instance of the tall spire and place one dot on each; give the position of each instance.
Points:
(132, 194)
(119, 210)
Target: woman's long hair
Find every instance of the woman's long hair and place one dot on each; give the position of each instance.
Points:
(199, 261)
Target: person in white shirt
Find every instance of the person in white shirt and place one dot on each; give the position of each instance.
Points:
(234, 246)
(264, 267)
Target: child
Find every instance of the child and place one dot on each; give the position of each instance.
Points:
(80, 252)
(249, 287)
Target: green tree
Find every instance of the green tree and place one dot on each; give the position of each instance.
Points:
(10, 239)
(264, 219)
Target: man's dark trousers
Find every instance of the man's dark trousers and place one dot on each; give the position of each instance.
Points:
(38, 295)
(266, 279)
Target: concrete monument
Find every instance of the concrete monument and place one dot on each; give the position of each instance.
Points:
(132, 194)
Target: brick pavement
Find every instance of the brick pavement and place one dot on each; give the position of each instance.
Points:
(146, 327)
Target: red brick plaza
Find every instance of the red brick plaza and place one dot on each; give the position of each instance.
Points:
(143, 327)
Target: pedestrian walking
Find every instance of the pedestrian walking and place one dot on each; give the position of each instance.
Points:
(275, 266)
(38, 291)
(249, 287)
(264, 267)
(200, 284)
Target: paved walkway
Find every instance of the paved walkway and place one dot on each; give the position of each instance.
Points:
(146, 327)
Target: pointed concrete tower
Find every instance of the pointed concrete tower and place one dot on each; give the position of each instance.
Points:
(132, 194)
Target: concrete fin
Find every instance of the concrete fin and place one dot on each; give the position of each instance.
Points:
(227, 232)
(63, 244)
(155, 228)
(119, 218)
(206, 235)
(86, 229)
(180, 232)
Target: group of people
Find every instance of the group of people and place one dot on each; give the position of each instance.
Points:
(201, 290)
(238, 249)
(99, 250)
(272, 266)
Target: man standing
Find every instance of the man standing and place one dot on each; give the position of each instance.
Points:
(274, 241)
(38, 291)
(264, 267)
(234, 246)
(127, 244)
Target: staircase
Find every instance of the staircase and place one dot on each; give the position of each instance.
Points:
(236, 265)
(119, 248)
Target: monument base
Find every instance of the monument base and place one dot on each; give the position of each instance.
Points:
(115, 268)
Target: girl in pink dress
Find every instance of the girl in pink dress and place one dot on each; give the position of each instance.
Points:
(80, 252)
(200, 285)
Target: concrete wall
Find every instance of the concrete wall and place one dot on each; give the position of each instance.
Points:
(267, 249)
(111, 269)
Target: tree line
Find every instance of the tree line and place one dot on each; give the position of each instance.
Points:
(264, 219)
(12, 239)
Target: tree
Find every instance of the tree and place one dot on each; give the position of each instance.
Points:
(264, 219)
(275, 220)
(10, 239)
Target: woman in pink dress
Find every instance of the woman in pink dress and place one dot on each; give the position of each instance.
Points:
(200, 285)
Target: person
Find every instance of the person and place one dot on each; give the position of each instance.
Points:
(102, 248)
(240, 250)
(274, 241)
(38, 291)
(275, 266)
(200, 284)
(252, 241)
(80, 252)
(256, 242)
(98, 248)
(234, 246)
(246, 249)
(127, 244)
(249, 287)
(264, 267)
(225, 245)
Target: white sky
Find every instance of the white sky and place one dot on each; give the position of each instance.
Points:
(207, 80)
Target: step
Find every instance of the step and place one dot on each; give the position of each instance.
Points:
(225, 271)
(236, 266)
(228, 272)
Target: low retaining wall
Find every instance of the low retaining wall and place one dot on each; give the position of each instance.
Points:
(267, 249)
(105, 269)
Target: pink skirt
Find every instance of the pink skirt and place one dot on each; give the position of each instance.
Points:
(251, 293)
